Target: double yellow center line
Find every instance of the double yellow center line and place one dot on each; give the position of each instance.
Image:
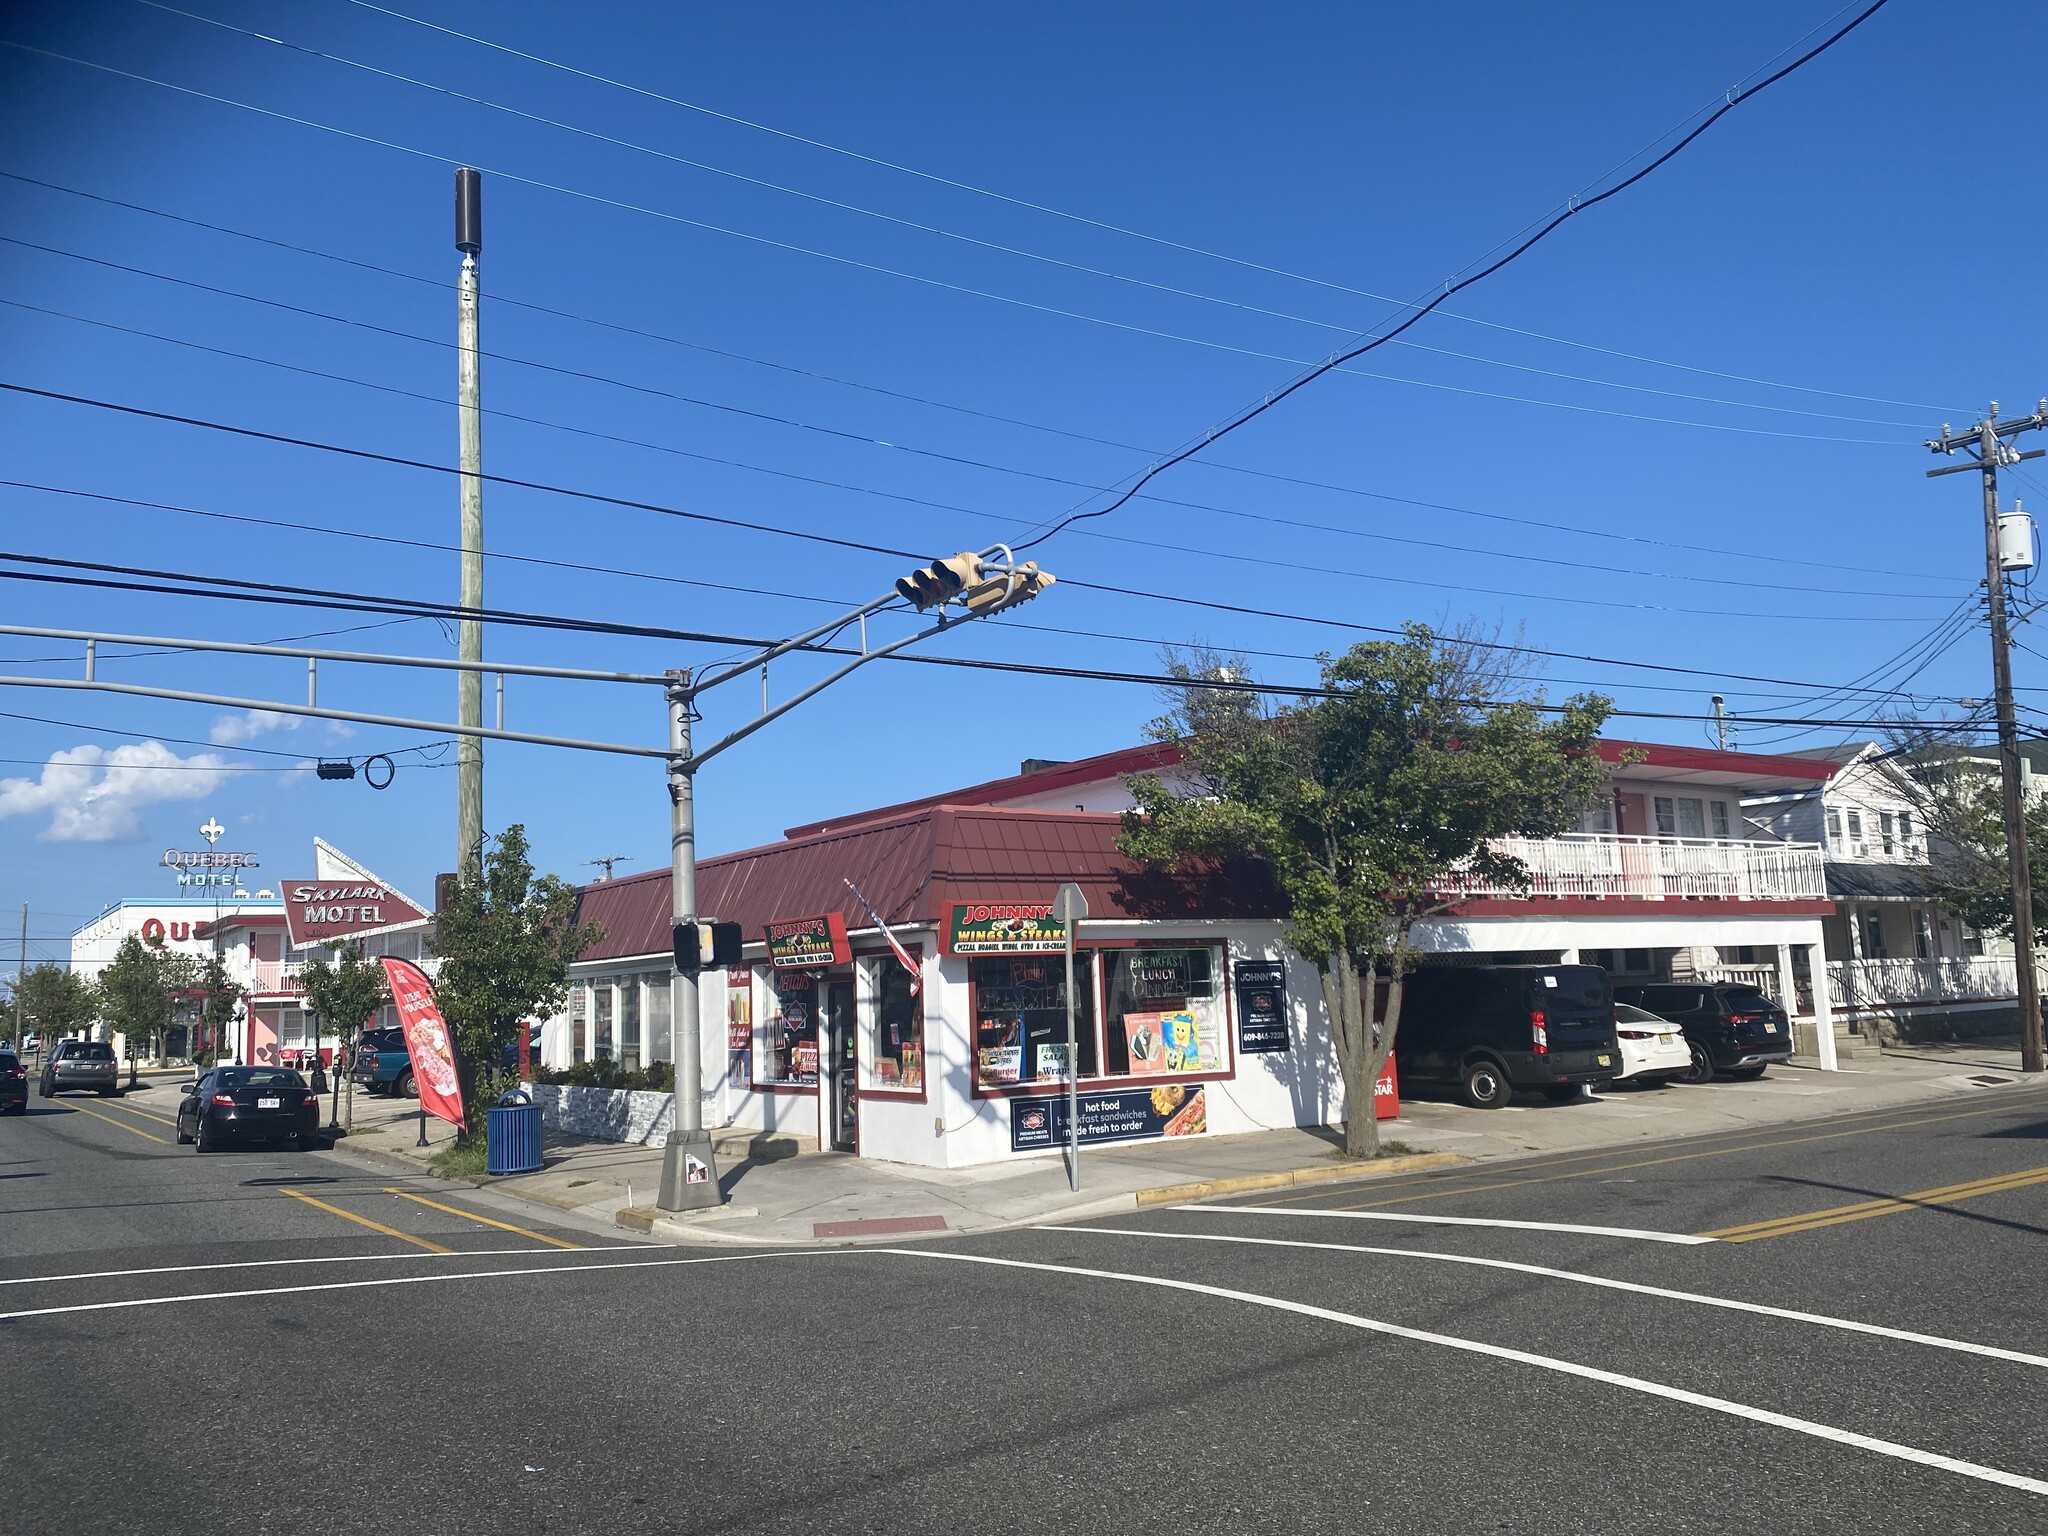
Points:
(1808, 1221)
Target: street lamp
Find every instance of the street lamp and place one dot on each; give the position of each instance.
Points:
(980, 584)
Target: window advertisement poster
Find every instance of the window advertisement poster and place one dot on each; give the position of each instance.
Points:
(1261, 1007)
(739, 1028)
(1126, 1114)
(1052, 1063)
(1000, 1063)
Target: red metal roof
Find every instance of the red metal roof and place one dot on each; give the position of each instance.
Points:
(913, 867)
(1086, 770)
(1732, 765)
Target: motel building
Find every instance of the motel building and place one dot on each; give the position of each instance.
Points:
(1193, 1016)
(265, 938)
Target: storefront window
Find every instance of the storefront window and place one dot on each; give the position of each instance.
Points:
(660, 1040)
(739, 1028)
(895, 1053)
(629, 1021)
(1020, 1018)
(1164, 1012)
(601, 1021)
(789, 1051)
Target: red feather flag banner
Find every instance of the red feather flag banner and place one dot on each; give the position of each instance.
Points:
(426, 1040)
(895, 943)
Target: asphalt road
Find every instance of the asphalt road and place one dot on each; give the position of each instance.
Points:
(1859, 1349)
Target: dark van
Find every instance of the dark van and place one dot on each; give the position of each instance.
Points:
(1490, 1029)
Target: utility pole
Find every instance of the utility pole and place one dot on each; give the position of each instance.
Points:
(1988, 438)
(606, 861)
(689, 1171)
(1720, 723)
(20, 976)
(469, 687)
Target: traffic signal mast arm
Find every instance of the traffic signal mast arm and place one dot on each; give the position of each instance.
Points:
(980, 587)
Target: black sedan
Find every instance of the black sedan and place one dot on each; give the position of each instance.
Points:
(230, 1105)
(13, 1084)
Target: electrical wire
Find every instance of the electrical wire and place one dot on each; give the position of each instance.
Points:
(1135, 234)
(368, 454)
(1572, 210)
(423, 748)
(865, 440)
(1316, 370)
(949, 234)
(501, 299)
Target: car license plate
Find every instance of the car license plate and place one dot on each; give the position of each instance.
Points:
(1603, 1060)
(269, 1103)
(1771, 1028)
(1663, 1039)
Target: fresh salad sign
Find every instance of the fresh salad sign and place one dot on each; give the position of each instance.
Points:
(1004, 928)
(808, 943)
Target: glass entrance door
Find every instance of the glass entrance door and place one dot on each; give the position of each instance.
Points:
(838, 1038)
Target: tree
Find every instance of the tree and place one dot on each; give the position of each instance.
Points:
(137, 993)
(1366, 806)
(53, 1002)
(1954, 785)
(505, 943)
(222, 1008)
(344, 995)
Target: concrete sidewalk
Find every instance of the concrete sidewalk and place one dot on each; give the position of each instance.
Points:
(832, 1198)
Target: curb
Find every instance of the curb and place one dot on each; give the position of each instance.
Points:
(1326, 1173)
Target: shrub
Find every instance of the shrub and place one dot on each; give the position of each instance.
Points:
(659, 1078)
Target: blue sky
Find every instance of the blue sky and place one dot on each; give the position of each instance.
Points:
(1694, 415)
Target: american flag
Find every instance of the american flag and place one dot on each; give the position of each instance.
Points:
(895, 943)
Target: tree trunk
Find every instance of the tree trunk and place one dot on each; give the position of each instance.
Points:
(1351, 1034)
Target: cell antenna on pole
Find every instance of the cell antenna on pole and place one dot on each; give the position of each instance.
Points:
(469, 211)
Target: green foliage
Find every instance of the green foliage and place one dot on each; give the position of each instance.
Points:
(659, 1078)
(53, 1002)
(1366, 806)
(505, 942)
(1956, 788)
(464, 1157)
(343, 993)
(137, 992)
(222, 1008)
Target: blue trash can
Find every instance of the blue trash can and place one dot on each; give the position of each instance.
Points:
(512, 1135)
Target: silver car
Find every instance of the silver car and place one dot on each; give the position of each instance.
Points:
(88, 1064)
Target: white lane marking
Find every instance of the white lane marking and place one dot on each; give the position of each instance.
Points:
(1640, 1233)
(358, 1285)
(1935, 1340)
(339, 1258)
(1819, 1431)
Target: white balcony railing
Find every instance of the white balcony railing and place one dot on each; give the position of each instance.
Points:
(1888, 983)
(1656, 869)
(278, 976)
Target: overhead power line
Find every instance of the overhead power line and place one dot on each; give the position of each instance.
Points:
(1576, 207)
(1546, 525)
(950, 234)
(1316, 369)
(1463, 550)
(1136, 234)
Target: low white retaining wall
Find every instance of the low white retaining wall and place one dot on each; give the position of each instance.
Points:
(605, 1114)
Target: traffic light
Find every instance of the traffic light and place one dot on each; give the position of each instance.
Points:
(706, 946)
(934, 585)
(1007, 589)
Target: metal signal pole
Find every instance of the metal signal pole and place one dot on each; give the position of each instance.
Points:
(1988, 437)
(21, 976)
(469, 687)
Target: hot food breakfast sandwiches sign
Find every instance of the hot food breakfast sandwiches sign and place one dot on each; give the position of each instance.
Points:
(318, 910)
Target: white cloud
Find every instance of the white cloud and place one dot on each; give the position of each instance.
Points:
(98, 794)
(233, 730)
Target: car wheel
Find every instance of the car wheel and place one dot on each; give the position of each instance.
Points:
(1702, 1068)
(1485, 1085)
(183, 1139)
(405, 1087)
(204, 1142)
(1746, 1074)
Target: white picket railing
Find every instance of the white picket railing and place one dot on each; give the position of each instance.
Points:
(1882, 983)
(1655, 869)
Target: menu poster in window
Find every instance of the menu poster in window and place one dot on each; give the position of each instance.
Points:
(739, 1069)
(913, 1066)
(1146, 1041)
(1052, 1063)
(739, 1015)
(805, 1059)
(1000, 1063)
(1127, 1114)
(1261, 1007)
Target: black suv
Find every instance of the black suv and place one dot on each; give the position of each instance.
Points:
(1731, 1026)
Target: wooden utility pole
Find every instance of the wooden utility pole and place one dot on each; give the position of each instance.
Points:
(1988, 438)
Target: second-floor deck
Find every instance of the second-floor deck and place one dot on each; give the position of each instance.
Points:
(1601, 867)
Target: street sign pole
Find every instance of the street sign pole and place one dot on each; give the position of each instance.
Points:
(1070, 906)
